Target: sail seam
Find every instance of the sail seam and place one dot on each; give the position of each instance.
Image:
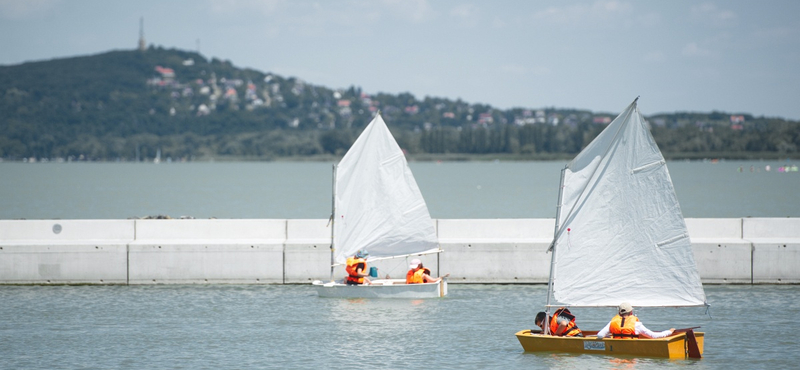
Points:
(416, 207)
(391, 159)
(642, 168)
(670, 240)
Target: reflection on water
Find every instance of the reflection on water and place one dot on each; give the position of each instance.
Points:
(205, 327)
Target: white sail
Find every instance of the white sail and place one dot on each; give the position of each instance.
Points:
(621, 235)
(378, 205)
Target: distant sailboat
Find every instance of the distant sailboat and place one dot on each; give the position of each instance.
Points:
(157, 159)
(620, 236)
(378, 207)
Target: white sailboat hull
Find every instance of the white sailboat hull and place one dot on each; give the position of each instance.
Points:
(382, 288)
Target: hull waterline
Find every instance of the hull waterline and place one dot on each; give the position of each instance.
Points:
(383, 288)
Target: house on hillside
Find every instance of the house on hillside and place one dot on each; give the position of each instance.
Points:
(167, 74)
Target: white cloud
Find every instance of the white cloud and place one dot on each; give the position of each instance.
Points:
(516, 69)
(649, 19)
(599, 11)
(466, 14)
(464, 11)
(654, 56)
(521, 70)
(498, 23)
(785, 33)
(267, 7)
(709, 13)
(705, 73)
(318, 18)
(19, 9)
(611, 6)
(693, 50)
(412, 10)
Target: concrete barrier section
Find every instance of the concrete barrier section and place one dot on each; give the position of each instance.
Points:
(776, 249)
(64, 251)
(723, 262)
(207, 251)
(776, 263)
(722, 256)
(495, 250)
(714, 228)
(787, 228)
(736, 250)
(307, 253)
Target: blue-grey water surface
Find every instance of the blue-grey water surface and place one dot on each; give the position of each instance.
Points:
(303, 189)
(289, 327)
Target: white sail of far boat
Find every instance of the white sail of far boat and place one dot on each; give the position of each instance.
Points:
(620, 233)
(379, 208)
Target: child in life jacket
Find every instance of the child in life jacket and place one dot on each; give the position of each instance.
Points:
(562, 323)
(356, 268)
(627, 326)
(418, 274)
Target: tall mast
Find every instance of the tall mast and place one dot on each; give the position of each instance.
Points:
(333, 216)
(552, 250)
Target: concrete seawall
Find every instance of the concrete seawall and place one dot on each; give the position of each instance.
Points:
(276, 251)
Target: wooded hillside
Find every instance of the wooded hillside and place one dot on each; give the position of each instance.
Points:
(130, 105)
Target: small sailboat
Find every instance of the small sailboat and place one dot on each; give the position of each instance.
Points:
(378, 207)
(620, 236)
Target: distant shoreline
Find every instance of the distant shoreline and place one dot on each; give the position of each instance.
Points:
(451, 157)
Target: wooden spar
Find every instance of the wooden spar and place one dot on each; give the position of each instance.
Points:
(392, 257)
(677, 331)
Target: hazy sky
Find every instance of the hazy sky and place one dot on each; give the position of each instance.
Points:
(679, 55)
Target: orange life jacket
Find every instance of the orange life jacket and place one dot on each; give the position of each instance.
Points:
(623, 327)
(571, 330)
(410, 276)
(352, 265)
(415, 276)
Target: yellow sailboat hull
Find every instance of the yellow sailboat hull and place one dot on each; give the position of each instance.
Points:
(676, 346)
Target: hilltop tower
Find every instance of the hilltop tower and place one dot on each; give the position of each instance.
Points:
(142, 44)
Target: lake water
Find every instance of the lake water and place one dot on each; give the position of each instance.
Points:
(289, 327)
(303, 190)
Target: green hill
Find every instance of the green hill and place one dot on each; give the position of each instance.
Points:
(129, 105)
